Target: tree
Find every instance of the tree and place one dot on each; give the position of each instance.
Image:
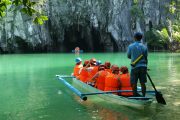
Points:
(25, 6)
(157, 39)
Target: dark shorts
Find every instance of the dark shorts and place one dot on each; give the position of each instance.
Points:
(138, 73)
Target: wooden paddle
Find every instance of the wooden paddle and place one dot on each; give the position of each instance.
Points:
(159, 96)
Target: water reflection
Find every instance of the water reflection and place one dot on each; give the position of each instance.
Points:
(172, 68)
(100, 110)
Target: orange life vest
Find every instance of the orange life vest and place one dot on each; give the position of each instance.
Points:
(125, 84)
(109, 70)
(112, 83)
(76, 69)
(93, 71)
(100, 82)
(84, 75)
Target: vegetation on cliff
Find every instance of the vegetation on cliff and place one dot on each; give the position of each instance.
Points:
(25, 6)
(166, 36)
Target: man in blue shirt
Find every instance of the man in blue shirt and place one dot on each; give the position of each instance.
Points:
(138, 71)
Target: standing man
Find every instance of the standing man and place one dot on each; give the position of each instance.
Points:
(138, 53)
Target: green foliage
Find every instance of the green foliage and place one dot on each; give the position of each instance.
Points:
(172, 7)
(164, 35)
(16, 2)
(27, 7)
(29, 11)
(176, 27)
(136, 12)
(157, 39)
(176, 32)
(167, 37)
(176, 36)
(3, 7)
(2, 14)
(40, 19)
(135, 1)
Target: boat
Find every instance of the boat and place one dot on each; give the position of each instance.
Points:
(77, 87)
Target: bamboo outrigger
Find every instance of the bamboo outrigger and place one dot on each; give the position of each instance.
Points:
(106, 95)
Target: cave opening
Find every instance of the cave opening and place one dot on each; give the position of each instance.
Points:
(86, 38)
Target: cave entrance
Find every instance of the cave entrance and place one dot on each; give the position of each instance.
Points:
(88, 39)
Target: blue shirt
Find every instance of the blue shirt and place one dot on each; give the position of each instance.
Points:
(135, 50)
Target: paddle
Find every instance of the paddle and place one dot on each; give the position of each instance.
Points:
(159, 96)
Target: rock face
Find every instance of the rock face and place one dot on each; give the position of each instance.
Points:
(93, 25)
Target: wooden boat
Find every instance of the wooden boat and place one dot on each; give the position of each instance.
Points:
(106, 95)
(113, 98)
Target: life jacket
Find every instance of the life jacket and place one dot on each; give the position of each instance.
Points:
(112, 83)
(100, 81)
(83, 76)
(109, 70)
(76, 69)
(125, 84)
(93, 71)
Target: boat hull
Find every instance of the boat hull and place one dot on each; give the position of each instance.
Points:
(112, 98)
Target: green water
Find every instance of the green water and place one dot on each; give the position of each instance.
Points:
(29, 89)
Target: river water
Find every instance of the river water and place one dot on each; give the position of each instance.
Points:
(29, 89)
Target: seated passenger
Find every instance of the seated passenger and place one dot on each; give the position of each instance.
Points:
(83, 73)
(77, 67)
(108, 66)
(93, 69)
(125, 81)
(112, 81)
(99, 78)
